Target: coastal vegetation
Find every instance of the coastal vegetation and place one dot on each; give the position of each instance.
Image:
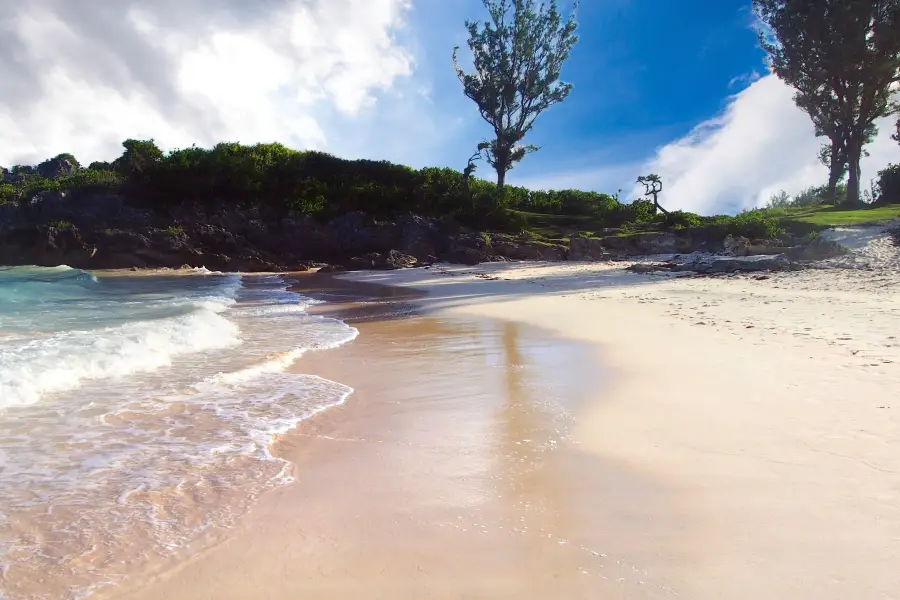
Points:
(518, 55)
(290, 182)
(843, 61)
(844, 82)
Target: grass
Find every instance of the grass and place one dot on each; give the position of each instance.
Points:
(831, 216)
(799, 221)
(173, 230)
(555, 226)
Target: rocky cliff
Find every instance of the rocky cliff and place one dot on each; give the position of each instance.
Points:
(102, 230)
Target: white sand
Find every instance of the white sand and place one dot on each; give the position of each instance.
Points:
(772, 405)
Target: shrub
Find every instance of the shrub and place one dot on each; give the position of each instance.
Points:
(680, 218)
(889, 185)
(755, 223)
(173, 230)
(8, 193)
(644, 211)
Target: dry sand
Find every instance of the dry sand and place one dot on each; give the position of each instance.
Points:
(709, 438)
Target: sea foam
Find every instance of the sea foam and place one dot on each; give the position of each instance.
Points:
(140, 414)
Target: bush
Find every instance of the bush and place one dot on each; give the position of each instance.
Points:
(8, 193)
(644, 211)
(86, 179)
(173, 230)
(755, 223)
(811, 196)
(889, 185)
(680, 219)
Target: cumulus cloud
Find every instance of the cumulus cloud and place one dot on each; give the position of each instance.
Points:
(81, 76)
(760, 144)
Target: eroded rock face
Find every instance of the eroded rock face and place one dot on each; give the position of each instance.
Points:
(736, 245)
(44, 246)
(654, 242)
(587, 248)
(721, 266)
(57, 167)
(526, 249)
(817, 248)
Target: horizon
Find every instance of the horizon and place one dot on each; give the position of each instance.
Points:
(372, 79)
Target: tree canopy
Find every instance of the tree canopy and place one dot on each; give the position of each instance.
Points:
(843, 58)
(518, 55)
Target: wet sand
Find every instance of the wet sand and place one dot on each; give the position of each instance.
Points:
(449, 473)
(572, 431)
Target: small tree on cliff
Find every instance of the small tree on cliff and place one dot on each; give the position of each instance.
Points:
(518, 55)
(652, 187)
(470, 169)
(843, 58)
(139, 156)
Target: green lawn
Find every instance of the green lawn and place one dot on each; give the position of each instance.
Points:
(799, 221)
(836, 216)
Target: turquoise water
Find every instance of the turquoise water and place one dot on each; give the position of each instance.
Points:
(137, 413)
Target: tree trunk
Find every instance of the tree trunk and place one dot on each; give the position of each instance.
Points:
(659, 207)
(835, 171)
(501, 179)
(854, 150)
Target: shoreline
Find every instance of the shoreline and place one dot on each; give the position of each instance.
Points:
(374, 420)
(740, 448)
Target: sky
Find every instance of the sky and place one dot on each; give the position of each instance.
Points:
(675, 88)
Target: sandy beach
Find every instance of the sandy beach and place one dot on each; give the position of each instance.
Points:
(573, 430)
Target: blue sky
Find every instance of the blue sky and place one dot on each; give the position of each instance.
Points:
(675, 88)
(645, 72)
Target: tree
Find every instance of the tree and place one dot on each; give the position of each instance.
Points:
(842, 57)
(470, 169)
(518, 55)
(896, 136)
(834, 156)
(652, 187)
(139, 156)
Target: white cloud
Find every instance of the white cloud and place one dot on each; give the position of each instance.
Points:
(82, 78)
(760, 144)
(745, 79)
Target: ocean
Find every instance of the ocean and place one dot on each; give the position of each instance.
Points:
(137, 412)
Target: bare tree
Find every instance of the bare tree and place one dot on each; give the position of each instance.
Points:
(652, 187)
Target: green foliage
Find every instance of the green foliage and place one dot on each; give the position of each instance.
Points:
(85, 179)
(811, 196)
(8, 193)
(889, 185)
(70, 158)
(174, 230)
(679, 219)
(644, 211)
(99, 165)
(652, 187)
(517, 55)
(139, 157)
(842, 58)
(758, 223)
(561, 202)
(780, 200)
(61, 224)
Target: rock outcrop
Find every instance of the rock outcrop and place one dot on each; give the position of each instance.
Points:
(96, 230)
